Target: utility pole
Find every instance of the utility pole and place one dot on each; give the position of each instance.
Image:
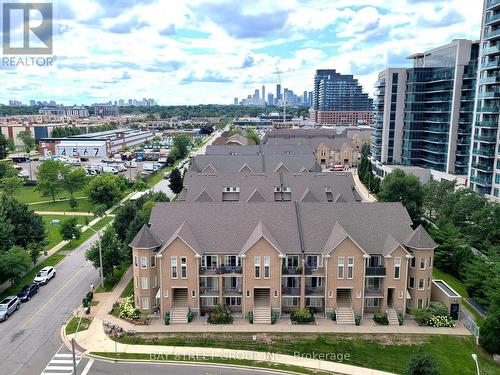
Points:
(100, 260)
(74, 356)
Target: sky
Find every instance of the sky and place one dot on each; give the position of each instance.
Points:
(200, 52)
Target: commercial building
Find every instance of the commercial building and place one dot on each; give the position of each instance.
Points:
(484, 173)
(424, 114)
(339, 100)
(76, 111)
(261, 258)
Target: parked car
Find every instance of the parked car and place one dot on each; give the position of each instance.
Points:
(44, 275)
(8, 306)
(28, 291)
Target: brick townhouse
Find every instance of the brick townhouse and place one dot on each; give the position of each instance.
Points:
(351, 258)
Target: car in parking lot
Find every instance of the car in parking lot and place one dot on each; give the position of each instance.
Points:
(28, 291)
(8, 306)
(44, 275)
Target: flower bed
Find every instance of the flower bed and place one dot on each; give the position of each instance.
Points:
(219, 316)
(302, 316)
(381, 318)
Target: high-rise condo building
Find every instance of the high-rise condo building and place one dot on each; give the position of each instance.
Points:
(270, 99)
(484, 172)
(339, 100)
(263, 95)
(235, 101)
(278, 93)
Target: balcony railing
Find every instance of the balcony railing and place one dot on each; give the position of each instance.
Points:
(484, 153)
(220, 270)
(290, 291)
(486, 138)
(373, 291)
(208, 291)
(487, 124)
(489, 95)
(481, 180)
(490, 18)
(233, 290)
(482, 167)
(375, 271)
(492, 3)
(208, 270)
(292, 270)
(491, 64)
(492, 34)
(489, 109)
(489, 80)
(314, 290)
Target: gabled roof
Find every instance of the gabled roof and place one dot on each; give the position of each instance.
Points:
(209, 169)
(145, 239)
(185, 234)
(315, 167)
(420, 239)
(260, 231)
(204, 197)
(245, 169)
(336, 237)
(308, 196)
(339, 198)
(390, 245)
(281, 168)
(256, 196)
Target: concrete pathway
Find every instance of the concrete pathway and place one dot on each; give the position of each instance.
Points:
(64, 213)
(57, 200)
(365, 194)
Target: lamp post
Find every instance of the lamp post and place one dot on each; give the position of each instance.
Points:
(101, 271)
(474, 357)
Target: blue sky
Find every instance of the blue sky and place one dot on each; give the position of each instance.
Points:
(198, 51)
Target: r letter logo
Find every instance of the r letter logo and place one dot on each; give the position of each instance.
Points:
(27, 28)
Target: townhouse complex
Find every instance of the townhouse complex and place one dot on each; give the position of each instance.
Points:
(266, 233)
(443, 114)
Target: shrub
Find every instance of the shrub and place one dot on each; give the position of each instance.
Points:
(381, 318)
(166, 318)
(422, 364)
(250, 317)
(274, 317)
(422, 316)
(438, 309)
(357, 320)
(440, 321)
(127, 309)
(489, 334)
(302, 316)
(219, 316)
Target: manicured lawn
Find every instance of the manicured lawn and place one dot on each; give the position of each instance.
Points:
(87, 234)
(388, 352)
(451, 281)
(84, 205)
(129, 290)
(72, 325)
(28, 194)
(28, 277)
(53, 236)
(111, 281)
(224, 361)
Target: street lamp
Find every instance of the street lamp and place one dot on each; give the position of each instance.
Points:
(474, 357)
(101, 271)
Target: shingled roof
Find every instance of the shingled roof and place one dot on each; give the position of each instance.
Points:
(145, 239)
(420, 239)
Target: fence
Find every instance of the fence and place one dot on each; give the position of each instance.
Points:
(468, 321)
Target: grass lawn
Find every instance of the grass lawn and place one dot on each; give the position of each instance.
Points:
(72, 325)
(28, 277)
(129, 290)
(111, 281)
(388, 352)
(87, 234)
(84, 205)
(224, 361)
(28, 194)
(53, 236)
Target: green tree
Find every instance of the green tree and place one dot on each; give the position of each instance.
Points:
(69, 229)
(73, 179)
(489, 333)
(181, 143)
(176, 181)
(14, 263)
(49, 176)
(479, 277)
(4, 147)
(10, 185)
(253, 136)
(104, 189)
(73, 203)
(34, 250)
(112, 252)
(435, 194)
(28, 140)
(6, 231)
(100, 210)
(365, 150)
(422, 364)
(123, 217)
(400, 187)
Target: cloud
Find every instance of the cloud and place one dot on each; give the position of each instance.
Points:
(208, 76)
(127, 26)
(248, 62)
(168, 31)
(441, 19)
(126, 75)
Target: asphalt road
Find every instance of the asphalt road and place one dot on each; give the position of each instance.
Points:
(31, 336)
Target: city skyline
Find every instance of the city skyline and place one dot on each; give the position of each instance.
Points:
(199, 52)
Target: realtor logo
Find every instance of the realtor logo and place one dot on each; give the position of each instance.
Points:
(27, 28)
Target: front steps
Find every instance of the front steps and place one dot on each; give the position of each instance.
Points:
(392, 317)
(345, 315)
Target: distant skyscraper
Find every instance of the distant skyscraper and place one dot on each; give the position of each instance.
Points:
(304, 98)
(256, 95)
(278, 92)
(310, 99)
(235, 101)
(32, 103)
(270, 99)
(263, 95)
(130, 102)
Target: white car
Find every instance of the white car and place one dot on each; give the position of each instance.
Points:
(44, 275)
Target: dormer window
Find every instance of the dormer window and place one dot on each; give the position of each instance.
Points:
(231, 189)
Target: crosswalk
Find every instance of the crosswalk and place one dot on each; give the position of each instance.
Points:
(61, 363)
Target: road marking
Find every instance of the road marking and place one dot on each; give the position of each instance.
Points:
(54, 366)
(52, 298)
(87, 368)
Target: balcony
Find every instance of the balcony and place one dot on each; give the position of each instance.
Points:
(374, 292)
(318, 290)
(208, 271)
(495, 64)
(483, 167)
(375, 271)
(207, 291)
(483, 181)
(314, 270)
(492, 18)
(489, 109)
(491, 138)
(492, 34)
(489, 80)
(489, 95)
(493, 50)
(292, 270)
(484, 153)
(230, 269)
(492, 3)
(233, 291)
(286, 291)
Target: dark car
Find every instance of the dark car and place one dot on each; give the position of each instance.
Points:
(28, 291)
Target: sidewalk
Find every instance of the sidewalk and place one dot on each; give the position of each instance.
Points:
(64, 213)
(365, 194)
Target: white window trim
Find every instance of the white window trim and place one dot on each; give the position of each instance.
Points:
(350, 267)
(153, 261)
(145, 306)
(420, 263)
(409, 283)
(423, 284)
(173, 263)
(136, 261)
(340, 265)
(397, 265)
(184, 267)
(144, 263)
(267, 259)
(256, 264)
(144, 280)
(155, 281)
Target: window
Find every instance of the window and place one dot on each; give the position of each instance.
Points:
(422, 263)
(412, 262)
(292, 261)
(248, 294)
(153, 261)
(371, 302)
(233, 301)
(173, 265)
(135, 261)
(421, 284)
(209, 301)
(267, 267)
(231, 261)
(411, 283)
(257, 267)
(144, 282)
(275, 294)
(144, 263)
(428, 283)
(193, 293)
(145, 303)
(209, 262)
(350, 267)
(341, 268)
(183, 268)
(314, 261)
(291, 302)
(155, 281)
(419, 304)
(397, 268)
(136, 282)
(430, 262)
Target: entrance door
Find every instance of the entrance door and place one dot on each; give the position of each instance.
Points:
(454, 308)
(390, 297)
